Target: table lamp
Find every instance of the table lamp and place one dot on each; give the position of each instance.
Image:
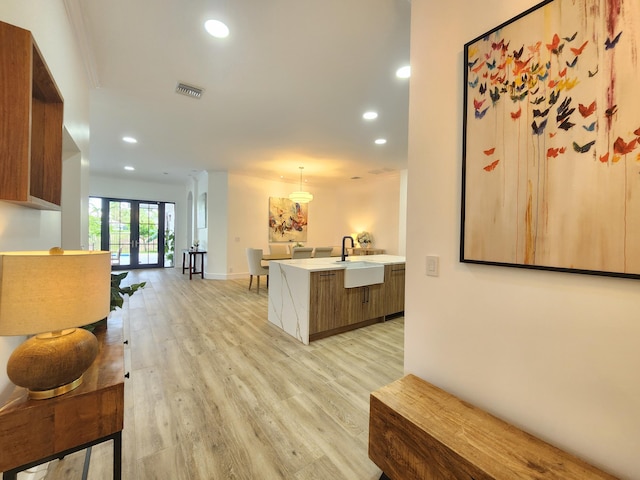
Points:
(48, 294)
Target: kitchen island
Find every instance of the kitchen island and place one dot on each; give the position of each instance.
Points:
(313, 298)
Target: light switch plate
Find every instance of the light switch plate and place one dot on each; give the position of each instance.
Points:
(433, 265)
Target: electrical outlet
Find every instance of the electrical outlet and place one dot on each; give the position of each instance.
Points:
(433, 265)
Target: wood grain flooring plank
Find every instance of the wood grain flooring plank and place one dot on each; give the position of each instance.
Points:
(284, 446)
(268, 383)
(152, 417)
(158, 465)
(216, 392)
(347, 453)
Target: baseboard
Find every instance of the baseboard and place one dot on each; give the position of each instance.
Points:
(226, 276)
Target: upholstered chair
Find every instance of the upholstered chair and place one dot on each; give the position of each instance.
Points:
(322, 252)
(254, 259)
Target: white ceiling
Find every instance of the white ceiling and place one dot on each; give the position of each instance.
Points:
(287, 88)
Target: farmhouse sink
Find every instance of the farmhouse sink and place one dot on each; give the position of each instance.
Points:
(359, 274)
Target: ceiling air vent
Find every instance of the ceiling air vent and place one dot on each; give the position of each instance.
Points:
(189, 90)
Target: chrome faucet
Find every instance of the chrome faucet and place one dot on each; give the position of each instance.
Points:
(344, 247)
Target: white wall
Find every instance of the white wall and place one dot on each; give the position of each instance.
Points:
(334, 212)
(22, 228)
(403, 212)
(75, 199)
(554, 353)
(214, 236)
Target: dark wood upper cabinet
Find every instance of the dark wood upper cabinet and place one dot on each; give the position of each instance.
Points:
(31, 115)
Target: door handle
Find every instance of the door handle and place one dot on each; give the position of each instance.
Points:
(365, 294)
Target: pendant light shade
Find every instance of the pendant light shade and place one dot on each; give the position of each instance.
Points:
(300, 196)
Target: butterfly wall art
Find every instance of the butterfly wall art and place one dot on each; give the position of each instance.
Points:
(551, 140)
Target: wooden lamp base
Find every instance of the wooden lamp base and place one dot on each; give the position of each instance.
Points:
(51, 364)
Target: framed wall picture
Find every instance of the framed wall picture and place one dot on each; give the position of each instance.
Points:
(288, 220)
(551, 140)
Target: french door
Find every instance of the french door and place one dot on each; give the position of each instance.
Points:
(134, 231)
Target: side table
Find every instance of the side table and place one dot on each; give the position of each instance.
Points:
(193, 261)
(37, 431)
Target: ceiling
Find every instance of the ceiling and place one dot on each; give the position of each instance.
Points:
(286, 89)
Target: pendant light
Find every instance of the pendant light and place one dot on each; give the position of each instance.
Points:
(300, 196)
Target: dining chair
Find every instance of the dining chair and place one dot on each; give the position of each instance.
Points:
(322, 252)
(301, 252)
(279, 249)
(254, 259)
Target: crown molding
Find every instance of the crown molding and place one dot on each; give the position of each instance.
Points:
(77, 19)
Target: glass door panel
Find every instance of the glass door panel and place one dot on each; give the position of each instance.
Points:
(139, 234)
(147, 241)
(95, 223)
(120, 240)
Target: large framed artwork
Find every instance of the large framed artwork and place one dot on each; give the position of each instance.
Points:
(287, 220)
(551, 150)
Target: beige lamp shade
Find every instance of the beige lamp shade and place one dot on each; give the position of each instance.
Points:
(44, 292)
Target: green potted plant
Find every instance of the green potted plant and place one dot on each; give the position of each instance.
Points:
(118, 292)
(169, 247)
(117, 296)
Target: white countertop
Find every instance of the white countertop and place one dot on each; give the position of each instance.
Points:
(334, 263)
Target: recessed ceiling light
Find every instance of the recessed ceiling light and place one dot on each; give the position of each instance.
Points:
(371, 115)
(216, 28)
(381, 141)
(131, 169)
(404, 72)
(129, 140)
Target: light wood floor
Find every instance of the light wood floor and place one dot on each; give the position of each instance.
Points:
(218, 393)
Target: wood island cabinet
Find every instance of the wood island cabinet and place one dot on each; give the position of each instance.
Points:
(394, 278)
(326, 298)
(31, 123)
(309, 301)
(334, 308)
(364, 303)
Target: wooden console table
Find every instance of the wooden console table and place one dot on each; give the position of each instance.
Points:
(37, 431)
(367, 251)
(418, 431)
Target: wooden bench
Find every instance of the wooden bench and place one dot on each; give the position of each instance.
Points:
(418, 431)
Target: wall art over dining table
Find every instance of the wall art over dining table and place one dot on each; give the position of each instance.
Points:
(287, 220)
(551, 152)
